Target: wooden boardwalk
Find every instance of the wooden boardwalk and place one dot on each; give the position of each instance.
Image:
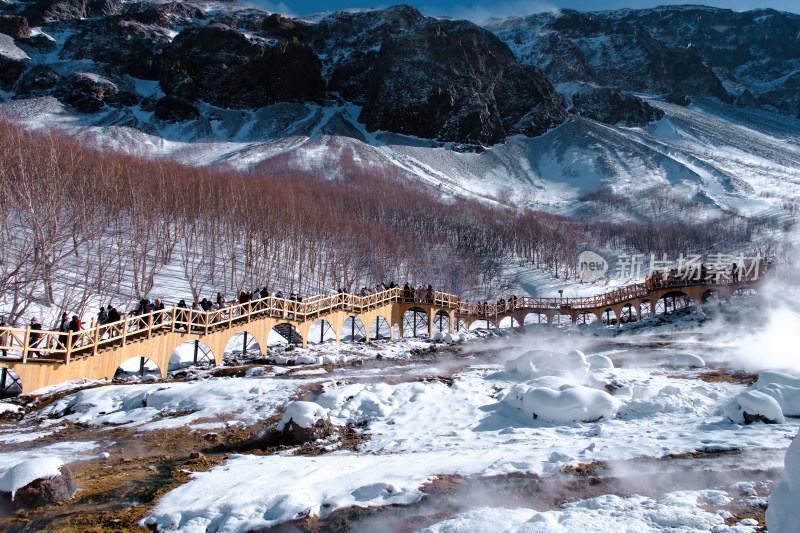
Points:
(97, 352)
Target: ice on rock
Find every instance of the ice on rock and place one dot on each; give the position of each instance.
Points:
(599, 361)
(27, 471)
(303, 414)
(573, 404)
(782, 511)
(254, 372)
(686, 360)
(752, 405)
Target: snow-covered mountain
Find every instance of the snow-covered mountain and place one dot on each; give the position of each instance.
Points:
(609, 114)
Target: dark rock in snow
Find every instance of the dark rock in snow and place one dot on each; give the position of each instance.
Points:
(88, 93)
(298, 434)
(41, 80)
(13, 62)
(42, 491)
(172, 109)
(612, 106)
(14, 26)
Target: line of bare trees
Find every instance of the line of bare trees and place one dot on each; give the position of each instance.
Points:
(78, 224)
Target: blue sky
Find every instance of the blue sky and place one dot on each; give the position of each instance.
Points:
(478, 10)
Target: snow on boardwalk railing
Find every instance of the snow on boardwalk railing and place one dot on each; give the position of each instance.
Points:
(20, 344)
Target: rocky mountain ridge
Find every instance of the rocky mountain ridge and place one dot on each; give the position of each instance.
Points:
(445, 80)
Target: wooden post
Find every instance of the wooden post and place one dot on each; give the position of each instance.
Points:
(174, 314)
(96, 338)
(249, 309)
(25, 344)
(69, 348)
(124, 330)
(205, 326)
(150, 324)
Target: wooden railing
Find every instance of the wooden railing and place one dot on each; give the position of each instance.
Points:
(55, 346)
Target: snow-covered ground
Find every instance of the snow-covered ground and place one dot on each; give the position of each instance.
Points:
(419, 425)
(709, 154)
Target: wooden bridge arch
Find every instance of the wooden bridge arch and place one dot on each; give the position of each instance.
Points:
(97, 352)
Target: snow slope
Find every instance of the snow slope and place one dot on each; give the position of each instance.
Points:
(708, 155)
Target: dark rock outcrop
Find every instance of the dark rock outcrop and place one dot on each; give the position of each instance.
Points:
(172, 109)
(88, 93)
(222, 66)
(13, 62)
(677, 51)
(43, 11)
(612, 106)
(15, 26)
(439, 79)
(41, 80)
(126, 47)
(164, 15)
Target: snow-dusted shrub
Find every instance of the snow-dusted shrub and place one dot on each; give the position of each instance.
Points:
(599, 361)
(781, 514)
(753, 406)
(686, 359)
(573, 404)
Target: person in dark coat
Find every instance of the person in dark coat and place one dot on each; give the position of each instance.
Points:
(35, 336)
(3, 336)
(113, 314)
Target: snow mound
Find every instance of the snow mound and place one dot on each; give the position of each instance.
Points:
(303, 414)
(751, 406)
(677, 511)
(306, 360)
(28, 471)
(686, 359)
(438, 336)
(448, 338)
(573, 404)
(9, 408)
(788, 398)
(769, 377)
(599, 361)
(328, 360)
(782, 511)
(528, 363)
